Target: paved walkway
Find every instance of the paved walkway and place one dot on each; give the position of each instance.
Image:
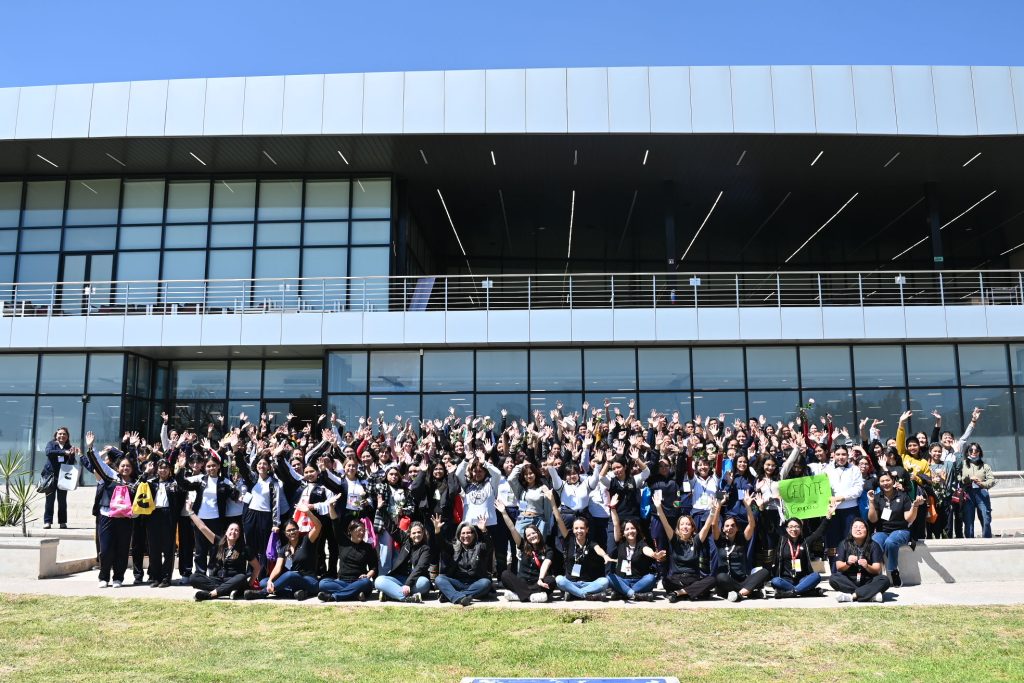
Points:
(995, 593)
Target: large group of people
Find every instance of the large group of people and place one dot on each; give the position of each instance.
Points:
(591, 505)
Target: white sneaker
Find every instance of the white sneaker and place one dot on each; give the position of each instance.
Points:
(733, 596)
(511, 597)
(104, 584)
(844, 597)
(539, 597)
(116, 584)
(879, 597)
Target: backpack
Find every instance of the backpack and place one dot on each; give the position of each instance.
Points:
(121, 502)
(143, 503)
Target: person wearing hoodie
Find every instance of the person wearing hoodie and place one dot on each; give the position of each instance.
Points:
(976, 477)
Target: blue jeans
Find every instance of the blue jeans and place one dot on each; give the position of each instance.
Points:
(805, 584)
(523, 522)
(581, 589)
(391, 586)
(455, 590)
(630, 587)
(288, 582)
(978, 503)
(345, 590)
(890, 543)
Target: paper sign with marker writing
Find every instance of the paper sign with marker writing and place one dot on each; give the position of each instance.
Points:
(806, 497)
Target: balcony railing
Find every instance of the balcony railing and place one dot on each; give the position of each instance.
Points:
(514, 292)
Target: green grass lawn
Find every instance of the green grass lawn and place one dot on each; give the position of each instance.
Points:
(53, 639)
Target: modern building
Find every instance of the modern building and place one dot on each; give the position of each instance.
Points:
(704, 239)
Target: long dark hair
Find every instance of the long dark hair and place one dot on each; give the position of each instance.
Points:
(537, 480)
(222, 545)
(981, 453)
(531, 551)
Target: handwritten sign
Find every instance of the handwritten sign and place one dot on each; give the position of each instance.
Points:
(806, 497)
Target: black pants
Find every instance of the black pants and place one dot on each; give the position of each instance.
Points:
(139, 544)
(503, 544)
(865, 591)
(224, 586)
(257, 525)
(724, 583)
(115, 541)
(522, 589)
(186, 546)
(697, 587)
(954, 520)
(59, 496)
(203, 546)
(326, 566)
(160, 534)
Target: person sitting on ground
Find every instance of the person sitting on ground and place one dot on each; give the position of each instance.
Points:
(532, 583)
(735, 580)
(294, 573)
(585, 561)
(634, 576)
(858, 576)
(685, 579)
(233, 563)
(465, 563)
(794, 576)
(357, 560)
(409, 577)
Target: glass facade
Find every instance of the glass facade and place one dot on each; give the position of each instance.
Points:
(108, 393)
(125, 229)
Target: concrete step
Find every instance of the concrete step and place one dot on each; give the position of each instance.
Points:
(963, 561)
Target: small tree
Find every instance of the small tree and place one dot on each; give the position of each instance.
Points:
(19, 492)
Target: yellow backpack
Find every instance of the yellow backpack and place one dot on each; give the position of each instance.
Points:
(143, 503)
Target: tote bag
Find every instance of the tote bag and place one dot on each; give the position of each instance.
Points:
(121, 502)
(143, 503)
(67, 478)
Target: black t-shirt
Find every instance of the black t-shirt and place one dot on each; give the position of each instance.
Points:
(529, 563)
(869, 551)
(355, 559)
(591, 565)
(303, 560)
(685, 555)
(235, 560)
(898, 506)
(634, 559)
(629, 497)
(732, 555)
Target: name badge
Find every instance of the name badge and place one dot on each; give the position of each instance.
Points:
(246, 498)
(686, 487)
(797, 565)
(288, 563)
(626, 568)
(577, 569)
(741, 494)
(704, 501)
(887, 514)
(437, 494)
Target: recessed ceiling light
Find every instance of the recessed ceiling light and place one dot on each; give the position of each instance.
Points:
(86, 186)
(703, 223)
(193, 155)
(740, 160)
(494, 162)
(423, 155)
(646, 152)
(47, 161)
(886, 164)
(815, 233)
(199, 352)
(945, 225)
(971, 159)
(572, 215)
(343, 157)
(113, 158)
(267, 155)
(225, 184)
(817, 157)
(575, 157)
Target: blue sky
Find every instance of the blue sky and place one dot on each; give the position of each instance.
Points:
(71, 41)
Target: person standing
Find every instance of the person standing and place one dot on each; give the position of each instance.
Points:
(59, 452)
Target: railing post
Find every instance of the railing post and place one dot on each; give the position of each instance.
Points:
(900, 280)
(1020, 287)
(778, 291)
(981, 287)
(323, 296)
(446, 294)
(654, 292)
(613, 291)
(821, 299)
(942, 290)
(364, 295)
(529, 293)
(860, 288)
(570, 292)
(737, 290)
(405, 295)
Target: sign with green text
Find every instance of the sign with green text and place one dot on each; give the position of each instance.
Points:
(806, 497)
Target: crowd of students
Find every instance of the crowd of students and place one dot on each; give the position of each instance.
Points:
(591, 505)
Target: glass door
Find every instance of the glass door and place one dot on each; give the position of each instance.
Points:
(87, 282)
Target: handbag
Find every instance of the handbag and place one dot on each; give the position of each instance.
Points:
(47, 483)
(67, 478)
(143, 503)
(272, 547)
(121, 502)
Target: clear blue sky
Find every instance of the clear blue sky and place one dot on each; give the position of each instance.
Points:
(74, 41)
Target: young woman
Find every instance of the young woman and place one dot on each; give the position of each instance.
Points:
(294, 573)
(977, 478)
(232, 560)
(858, 576)
(769, 504)
(409, 577)
(357, 560)
(59, 452)
(634, 576)
(793, 574)
(434, 492)
(532, 583)
(734, 580)
(684, 579)
(626, 485)
(466, 564)
(893, 512)
(167, 502)
(210, 504)
(584, 577)
(740, 485)
(115, 525)
(263, 503)
(534, 505)
(394, 502)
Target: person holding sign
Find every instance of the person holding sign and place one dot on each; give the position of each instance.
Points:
(894, 512)
(858, 576)
(634, 577)
(684, 580)
(793, 574)
(735, 580)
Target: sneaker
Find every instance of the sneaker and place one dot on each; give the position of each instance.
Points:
(167, 584)
(733, 596)
(362, 596)
(442, 598)
(323, 596)
(301, 595)
(237, 595)
(897, 582)
(539, 597)
(116, 584)
(844, 597)
(414, 597)
(47, 526)
(511, 596)
(104, 584)
(674, 597)
(816, 593)
(646, 596)
(466, 601)
(253, 595)
(594, 597)
(879, 597)
(63, 526)
(780, 595)
(381, 597)
(203, 595)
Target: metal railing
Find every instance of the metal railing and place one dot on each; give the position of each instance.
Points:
(514, 292)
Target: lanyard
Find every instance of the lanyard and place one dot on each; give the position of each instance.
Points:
(794, 552)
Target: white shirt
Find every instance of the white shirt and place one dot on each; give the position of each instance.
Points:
(847, 483)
